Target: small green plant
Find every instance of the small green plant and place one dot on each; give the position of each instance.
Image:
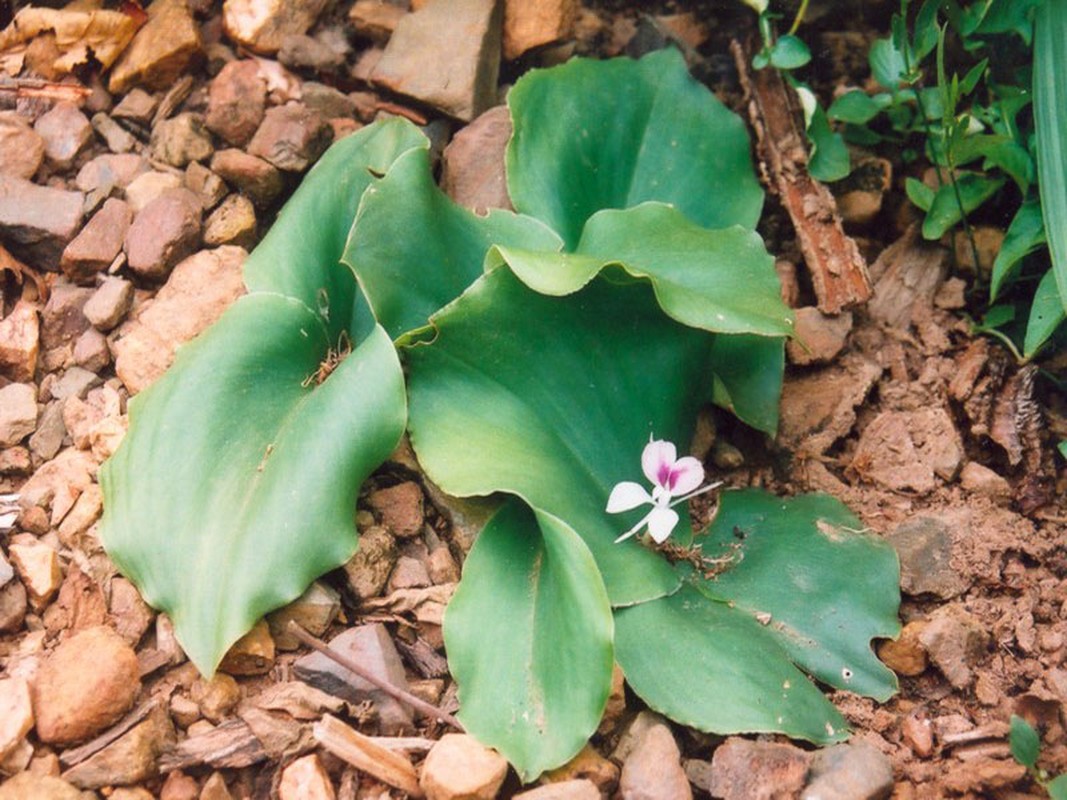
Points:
(1026, 748)
(530, 356)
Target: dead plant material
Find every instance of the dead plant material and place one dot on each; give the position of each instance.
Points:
(334, 357)
(26, 88)
(231, 745)
(838, 270)
(10, 264)
(80, 35)
(365, 754)
(909, 273)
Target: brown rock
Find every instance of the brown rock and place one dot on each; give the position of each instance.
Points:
(57, 485)
(233, 222)
(252, 654)
(108, 171)
(148, 186)
(954, 640)
(181, 139)
(62, 322)
(654, 770)
(291, 137)
(38, 567)
(215, 788)
(565, 790)
(905, 450)
(742, 769)
(163, 49)
(855, 771)
(459, 768)
(31, 786)
(80, 604)
(262, 25)
(400, 508)
(255, 178)
(38, 221)
(313, 611)
(205, 184)
(473, 163)
(375, 20)
(368, 570)
(72, 702)
(65, 131)
(179, 786)
(163, 233)
(409, 573)
(237, 99)
(905, 655)
(925, 547)
(299, 51)
(819, 337)
(131, 616)
(96, 246)
(130, 759)
(21, 148)
(19, 343)
(978, 478)
(138, 106)
(587, 765)
(305, 779)
(18, 412)
(117, 138)
(109, 304)
(217, 697)
(12, 606)
(446, 55)
(16, 714)
(528, 25)
(918, 734)
(91, 351)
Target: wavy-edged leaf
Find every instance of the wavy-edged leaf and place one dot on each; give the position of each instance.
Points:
(1050, 98)
(747, 374)
(236, 485)
(716, 669)
(529, 637)
(828, 588)
(594, 135)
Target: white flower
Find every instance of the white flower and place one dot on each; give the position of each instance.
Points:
(674, 481)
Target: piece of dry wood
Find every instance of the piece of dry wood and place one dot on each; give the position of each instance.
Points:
(76, 755)
(232, 744)
(426, 661)
(909, 272)
(45, 90)
(367, 755)
(838, 270)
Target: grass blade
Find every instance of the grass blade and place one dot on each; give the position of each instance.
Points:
(1050, 98)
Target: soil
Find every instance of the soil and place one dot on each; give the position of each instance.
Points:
(916, 424)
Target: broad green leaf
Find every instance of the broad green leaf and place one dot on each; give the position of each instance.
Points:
(1062, 447)
(236, 484)
(887, 64)
(1024, 741)
(856, 107)
(719, 280)
(945, 211)
(415, 251)
(1011, 16)
(1025, 234)
(747, 376)
(826, 588)
(613, 134)
(789, 52)
(717, 669)
(926, 30)
(1046, 315)
(1057, 788)
(919, 193)
(553, 399)
(529, 638)
(1050, 99)
(829, 159)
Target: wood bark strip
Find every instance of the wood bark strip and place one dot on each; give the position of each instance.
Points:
(838, 271)
(76, 755)
(365, 754)
(232, 744)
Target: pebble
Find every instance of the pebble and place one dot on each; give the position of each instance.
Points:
(233, 222)
(37, 222)
(473, 162)
(925, 547)
(16, 714)
(854, 771)
(21, 147)
(423, 62)
(237, 99)
(163, 233)
(441, 566)
(108, 171)
(258, 180)
(262, 25)
(742, 769)
(217, 697)
(980, 479)
(299, 51)
(905, 655)
(12, 606)
(368, 570)
(130, 759)
(215, 788)
(409, 573)
(252, 654)
(314, 611)
(306, 779)
(954, 640)
(74, 382)
(905, 450)
(161, 51)
(130, 615)
(137, 105)
(96, 246)
(18, 412)
(400, 508)
(588, 765)
(291, 137)
(181, 139)
(179, 786)
(86, 684)
(62, 321)
(117, 138)
(109, 304)
(31, 786)
(19, 342)
(375, 20)
(205, 184)
(918, 734)
(653, 771)
(327, 102)
(148, 186)
(65, 131)
(459, 768)
(819, 337)
(48, 438)
(580, 789)
(529, 25)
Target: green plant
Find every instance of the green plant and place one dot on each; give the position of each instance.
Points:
(1026, 748)
(531, 356)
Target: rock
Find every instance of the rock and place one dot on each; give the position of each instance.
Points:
(145, 188)
(96, 246)
(179, 786)
(905, 655)
(130, 759)
(372, 648)
(653, 771)
(205, 184)
(409, 573)
(62, 322)
(161, 52)
(72, 702)
(925, 548)
(819, 337)
(987, 241)
(327, 102)
(130, 615)
(12, 606)
(137, 106)
(233, 222)
(135, 793)
(587, 765)
(313, 611)
(215, 788)
(19, 342)
(16, 714)
(528, 25)
(218, 697)
(305, 779)
(48, 438)
(197, 292)
(38, 567)
(31, 786)
(954, 640)
(262, 25)
(109, 304)
(304, 52)
(980, 479)
(117, 138)
(237, 99)
(855, 771)
(400, 508)
(252, 654)
(163, 233)
(181, 139)
(80, 605)
(473, 162)
(447, 55)
(905, 450)
(291, 137)
(918, 734)
(18, 412)
(65, 131)
(459, 768)
(742, 769)
(441, 566)
(74, 382)
(375, 20)
(38, 221)
(255, 178)
(368, 570)
(565, 790)
(21, 147)
(109, 171)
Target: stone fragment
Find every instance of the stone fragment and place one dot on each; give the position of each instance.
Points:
(161, 51)
(233, 222)
(21, 147)
(955, 640)
(742, 769)
(262, 25)
(80, 605)
(409, 573)
(400, 508)
(148, 186)
(252, 654)
(179, 786)
(905, 654)
(918, 734)
(215, 788)
(74, 382)
(18, 412)
(299, 51)
(163, 233)
(87, 509)
(587, 765)
(441, 566)
(326, 101)
(819, 337)
(38, 567)
(96, 246)
(73, 702)
(372, 648)
(855, 771)
(62, 321)
(980, 479)
(313, 611)
(447, 55)
(137, 105)
(580, 789)
(528, 25)
(130, 615)
(65, 131)
(33, 786)
(473, 162)
(37, 222)
(653, 771)
(131, 793)
(19, 342)
(291, 137)
(205, 184)
(16, 714)
(48, 438)
(906, 450)
(925, 548)
(117, 138)
(130, 759)
(197, 292)
(110, 171)
(375, 20)
(57, 484)
(181, 139)
(12, 606)
(306, 779)
(368, 570)
(109, 304)
(459, 768)
(217, 697)
(255, 178)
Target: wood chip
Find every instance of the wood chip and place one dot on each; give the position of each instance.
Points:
(368, 755)
(76, 755)
(232, 744)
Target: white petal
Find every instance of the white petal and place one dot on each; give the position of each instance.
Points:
(661, 523)
(687, 474)
(635, 528)
(626, 496)
(657, 459)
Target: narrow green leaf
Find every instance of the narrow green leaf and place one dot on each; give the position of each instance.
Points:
(1050, 99)
(1046, 315)
(1025, 234)
(926, 29)
(1024, 741)
(529, 638)
(789, 52)
(1057, 788)
(945, 211)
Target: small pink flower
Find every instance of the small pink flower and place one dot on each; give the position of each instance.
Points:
(674, 481)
